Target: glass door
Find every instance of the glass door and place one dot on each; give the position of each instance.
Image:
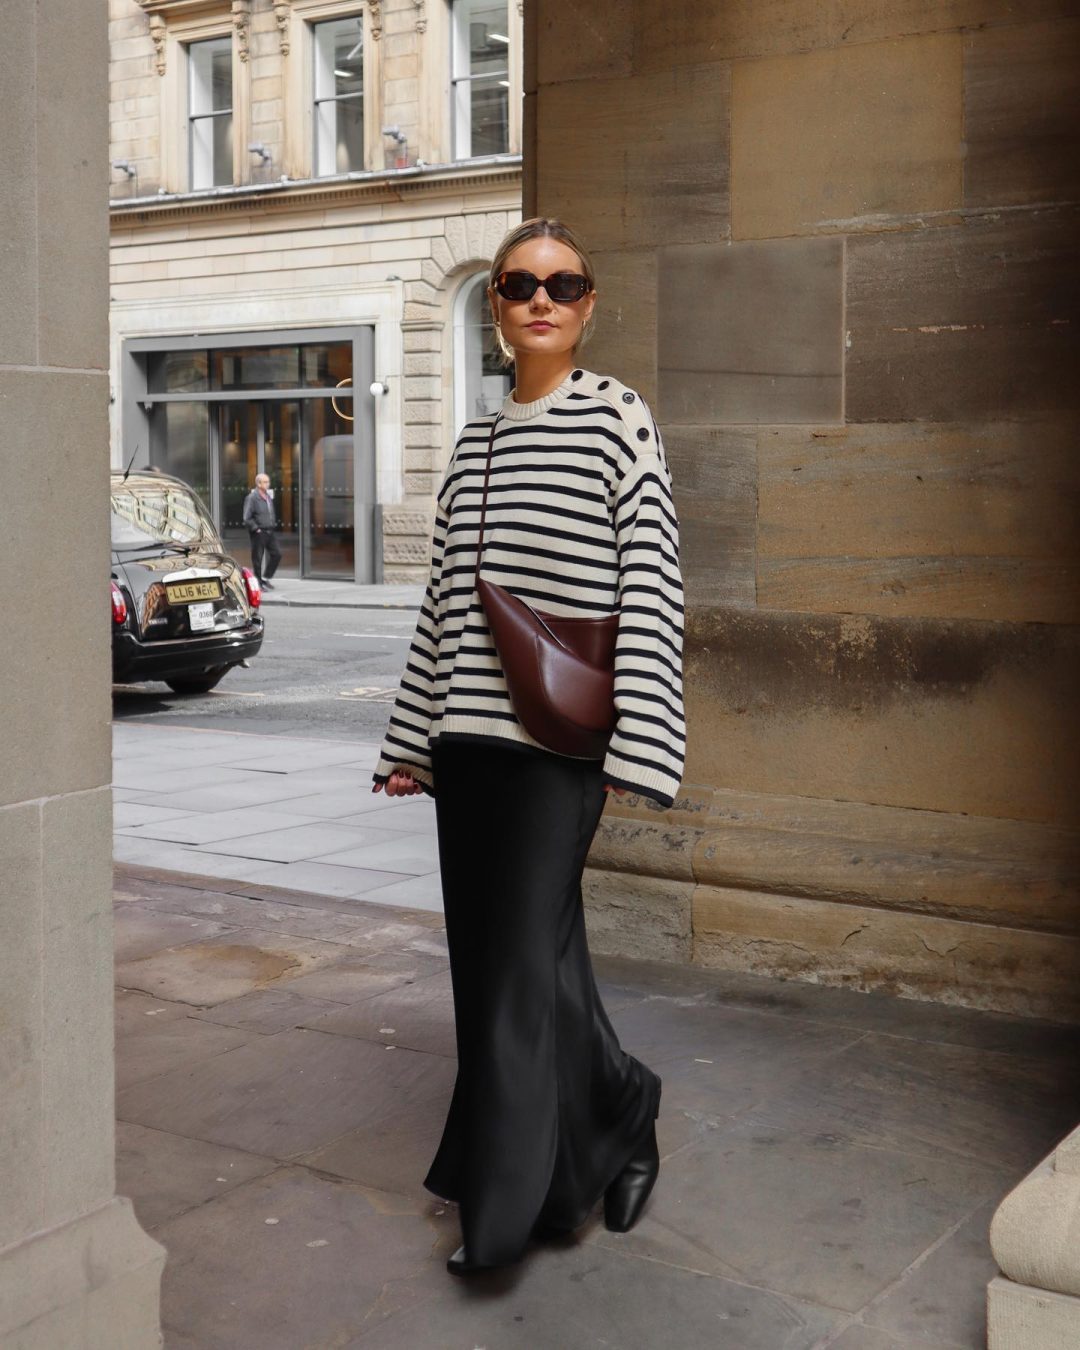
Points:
(238, 442)
(329, 490)
(260, 436)
(281, 462)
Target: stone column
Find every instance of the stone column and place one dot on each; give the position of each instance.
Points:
(1034, 1304)
(76, 1271)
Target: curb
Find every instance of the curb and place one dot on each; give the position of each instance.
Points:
(331, 604)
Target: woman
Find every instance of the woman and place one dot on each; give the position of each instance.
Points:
(548, 1113)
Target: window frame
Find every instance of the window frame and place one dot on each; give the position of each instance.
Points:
(181, 31)
(469, 283)
(193, 117)
(317, 99)
(455, 80)
(301, 161)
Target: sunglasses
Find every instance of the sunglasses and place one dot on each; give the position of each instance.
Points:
(562, 287)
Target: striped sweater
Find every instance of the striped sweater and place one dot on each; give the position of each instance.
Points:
(580, 521)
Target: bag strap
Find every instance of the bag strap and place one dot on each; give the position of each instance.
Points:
(483, 500)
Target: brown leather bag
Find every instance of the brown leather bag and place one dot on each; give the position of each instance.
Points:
(560, 671)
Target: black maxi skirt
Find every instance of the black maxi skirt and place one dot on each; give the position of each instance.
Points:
(547, 1107)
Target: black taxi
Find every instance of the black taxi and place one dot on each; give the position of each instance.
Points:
(183, 610)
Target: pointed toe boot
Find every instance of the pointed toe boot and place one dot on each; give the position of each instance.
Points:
(625, 1198)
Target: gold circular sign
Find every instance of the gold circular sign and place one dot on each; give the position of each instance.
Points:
(345, 417)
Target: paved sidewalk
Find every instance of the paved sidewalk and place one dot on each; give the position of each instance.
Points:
(341, 595)
(278, 810)
(831, 1160)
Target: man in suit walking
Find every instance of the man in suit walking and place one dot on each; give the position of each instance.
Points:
(261, 522)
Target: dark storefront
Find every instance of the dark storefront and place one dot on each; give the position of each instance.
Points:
(217, 410)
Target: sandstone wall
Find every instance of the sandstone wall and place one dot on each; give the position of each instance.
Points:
(836, 250)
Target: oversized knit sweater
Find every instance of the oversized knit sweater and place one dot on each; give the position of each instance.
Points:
(579, 521)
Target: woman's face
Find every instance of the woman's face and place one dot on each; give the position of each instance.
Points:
(541, 324)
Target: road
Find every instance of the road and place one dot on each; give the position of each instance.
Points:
(326, 673)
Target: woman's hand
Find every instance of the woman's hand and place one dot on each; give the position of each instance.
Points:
(610, 787)
(401, 783)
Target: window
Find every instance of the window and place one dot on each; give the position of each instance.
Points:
(210, 112)
(339, 96)
(480, 383)
(480, 78)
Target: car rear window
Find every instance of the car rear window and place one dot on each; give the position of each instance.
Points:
(161, 514)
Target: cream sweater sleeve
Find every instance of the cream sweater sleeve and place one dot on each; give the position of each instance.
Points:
(405, 744)
(648, 747)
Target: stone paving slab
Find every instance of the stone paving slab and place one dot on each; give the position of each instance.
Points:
(296, 812)
(170, 1174)
(830, 1160)
(804, 1214)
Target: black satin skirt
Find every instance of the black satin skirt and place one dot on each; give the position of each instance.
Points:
(547, 1107)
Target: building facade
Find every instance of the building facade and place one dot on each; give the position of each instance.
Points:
(305, 197)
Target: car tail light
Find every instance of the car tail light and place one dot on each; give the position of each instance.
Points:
(254, 592)
(119, 604)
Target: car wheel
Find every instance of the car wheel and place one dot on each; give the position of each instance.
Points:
(197, 684)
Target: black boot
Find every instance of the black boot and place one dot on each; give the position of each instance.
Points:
(625, 1198)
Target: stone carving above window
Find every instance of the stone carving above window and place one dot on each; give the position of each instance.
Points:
(282, 13)
(163, 12)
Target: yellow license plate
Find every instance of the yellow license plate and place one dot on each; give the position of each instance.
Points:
(184, 592)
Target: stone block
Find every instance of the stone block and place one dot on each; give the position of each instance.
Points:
(577, 44)
(496, 225)
(397, 520)
(54, 469)
(977, 321)
(684, 32)
(421, 387)
(91, 1283)
(1022, 114)
(632, 162)
(641, 916)
(18, 204)
(931, 862)
(623, 342)
(475, 223)
(1021, 1317)
(938, 519)
(22, 1133)
(400, 550)
(866, 130)
(907, 955)
(77, 956)
(940, 715)
(767, 348)
(441, 256)
(70, 130)
(656, 848)
(423, 363)
(456, 239)
(714, 475)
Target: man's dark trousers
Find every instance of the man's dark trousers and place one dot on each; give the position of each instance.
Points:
(265, 549)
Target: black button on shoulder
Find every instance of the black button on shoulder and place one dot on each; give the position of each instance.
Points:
(642, 433)
(628, 397)
(577, 374)
(603, 384)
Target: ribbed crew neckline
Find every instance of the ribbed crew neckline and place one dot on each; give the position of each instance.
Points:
(522, 412)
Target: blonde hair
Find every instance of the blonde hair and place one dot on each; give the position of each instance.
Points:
(541, 227)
